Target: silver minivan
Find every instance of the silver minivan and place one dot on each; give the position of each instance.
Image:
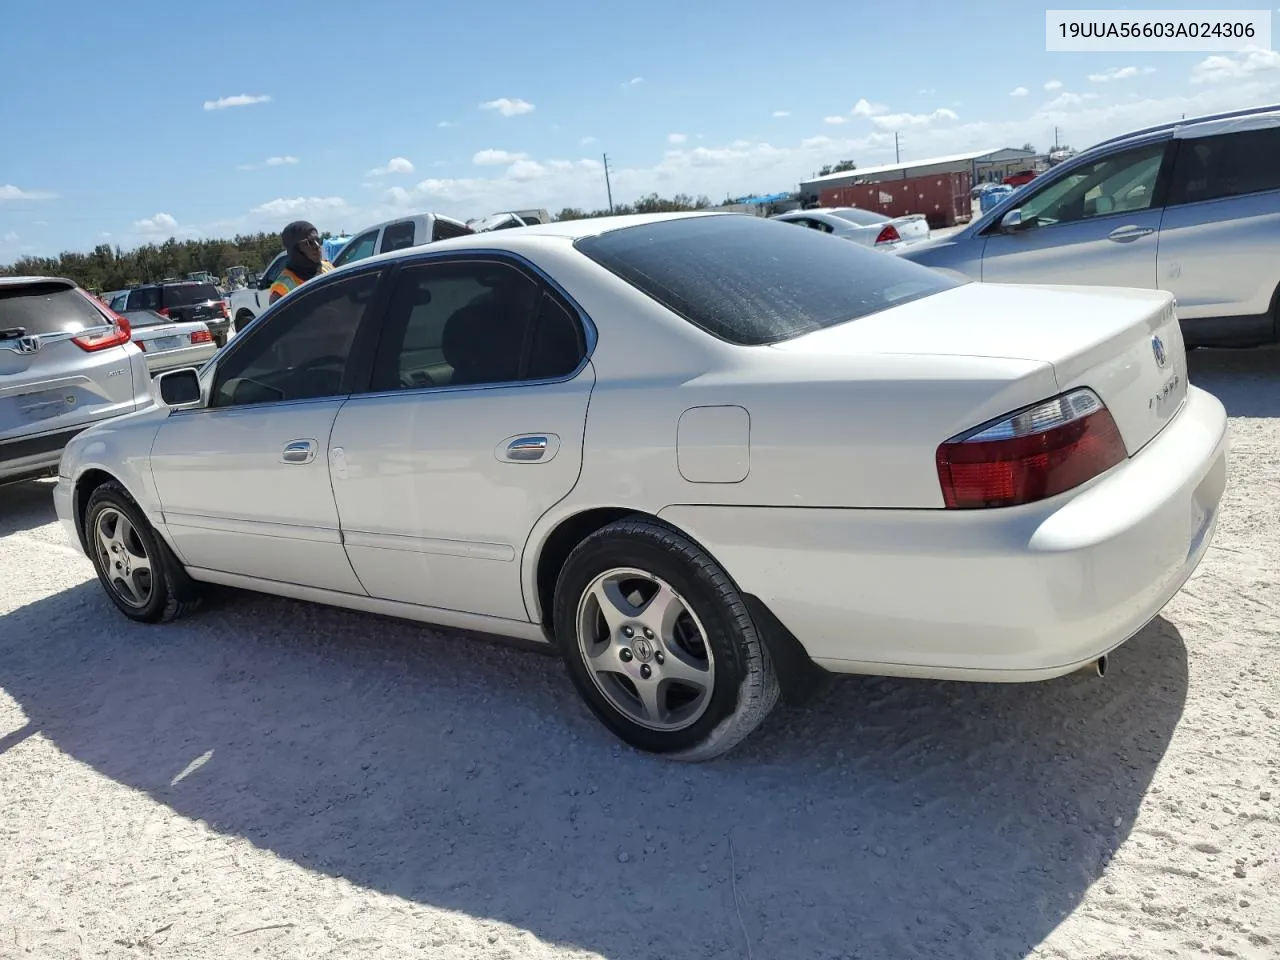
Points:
(1191, 207)
(66, 363)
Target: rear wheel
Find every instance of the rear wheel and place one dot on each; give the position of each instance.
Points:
(659, 643)
(136, 567)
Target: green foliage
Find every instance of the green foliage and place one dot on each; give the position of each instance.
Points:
(844, 166)
(110, 268)
(652, 203)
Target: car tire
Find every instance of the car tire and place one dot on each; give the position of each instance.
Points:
(693, 677)
(135, 566)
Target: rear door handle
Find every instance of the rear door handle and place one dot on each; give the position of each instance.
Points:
(299, 451)
(525, 449)
(1129, 234)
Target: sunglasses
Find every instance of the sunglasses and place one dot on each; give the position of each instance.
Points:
(310, 241)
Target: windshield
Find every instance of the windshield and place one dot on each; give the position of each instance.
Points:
(863, 218)
(40, 308)
(751, 281)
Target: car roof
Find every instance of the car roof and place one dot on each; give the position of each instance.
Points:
(1186, 122)
(401, 219)
(566, 230)
(27, 281)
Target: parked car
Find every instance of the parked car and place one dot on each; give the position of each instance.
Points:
(168, 343)
(400, 234)
(509, 220)
(862, 226)
(1191, 207)
(185, 301)
(708, 456)
(66, 362)
(248, 301)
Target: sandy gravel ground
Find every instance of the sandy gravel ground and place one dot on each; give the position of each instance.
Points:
(273, 779)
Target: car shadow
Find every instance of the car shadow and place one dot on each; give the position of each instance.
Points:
(1246, 381)
(25, 506)
(890, 818)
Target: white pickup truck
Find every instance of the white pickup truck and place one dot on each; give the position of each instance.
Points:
(395, 234)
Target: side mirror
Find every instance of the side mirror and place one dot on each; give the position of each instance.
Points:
(1011, 221)
(179, 389)
(262, 283)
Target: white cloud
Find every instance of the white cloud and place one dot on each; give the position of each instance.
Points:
(508, 107)
(865, 108)
(926, 91)
(299, 206)
(835, 120)
(245, 166)
(497, 158)
(394, 165)
(281, 161)
(1119, 73)
(9, 192)
(1225, 69)
(445, 124)
(587, 141)
(239, 100)
(9, 237)
(1053, 85)
(781, 114)
(160, 223)
(524, 170)
(635, 81)
(1019, 92)
(899, 121)
(677, 138)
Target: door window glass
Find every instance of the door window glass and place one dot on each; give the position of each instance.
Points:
(444, 230)
(1231, 165)
(1121, 183)
(397, 236)
(357, 249)
(302, 351)
(469, 323)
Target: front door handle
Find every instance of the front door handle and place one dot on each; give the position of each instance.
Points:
(1129, 234)
(299, 451)
(527, 448)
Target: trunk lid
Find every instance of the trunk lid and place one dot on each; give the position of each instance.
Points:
(1124, 344)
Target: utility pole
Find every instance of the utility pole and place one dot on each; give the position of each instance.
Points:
(1057, 139)
(897, 152)
(608, 188)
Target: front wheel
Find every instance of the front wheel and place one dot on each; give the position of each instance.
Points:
(136, 567)
(659, 643)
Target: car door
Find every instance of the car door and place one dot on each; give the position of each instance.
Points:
(472, 430)
(1095, 224)
(1220, 235)
(244, 480)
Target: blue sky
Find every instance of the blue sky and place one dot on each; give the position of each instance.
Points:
(131, 121)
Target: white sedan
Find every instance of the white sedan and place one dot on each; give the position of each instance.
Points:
(709, 457)
(866, 227)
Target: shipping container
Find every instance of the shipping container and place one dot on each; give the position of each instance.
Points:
(942, 197)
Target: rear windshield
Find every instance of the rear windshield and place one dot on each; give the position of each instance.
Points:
(185, 294)
(753, 281)
(863, 218)
(40, 308)
(145, 318)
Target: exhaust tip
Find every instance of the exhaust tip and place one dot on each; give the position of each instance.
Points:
(1100, 665)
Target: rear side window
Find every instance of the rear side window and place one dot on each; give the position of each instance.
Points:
(753, 281)
(397, 236)
(39, 308)
(1231, 165)
(185, 294)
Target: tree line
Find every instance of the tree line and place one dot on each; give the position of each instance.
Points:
(113, 268)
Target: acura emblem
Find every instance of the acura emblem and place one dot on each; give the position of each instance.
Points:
(1157, 348)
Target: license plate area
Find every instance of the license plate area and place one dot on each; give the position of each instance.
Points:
(167, 343)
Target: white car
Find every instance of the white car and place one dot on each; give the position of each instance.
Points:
(866, 227)
(710, 457)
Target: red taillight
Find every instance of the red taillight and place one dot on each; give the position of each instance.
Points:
(1030, 455)
(116, 335)
(142, 345)
(225, 308)
(202, 336)
(889, 235)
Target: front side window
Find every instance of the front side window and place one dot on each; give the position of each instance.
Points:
(468, 323)
(751, 281)
(397, 236)
(302, 351)
(1230, 165)
(357, 249)
(1121, 183)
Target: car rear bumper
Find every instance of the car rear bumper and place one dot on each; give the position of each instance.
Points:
(64, 506)
(193, 356)
(27, 457)
(1017, 594)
